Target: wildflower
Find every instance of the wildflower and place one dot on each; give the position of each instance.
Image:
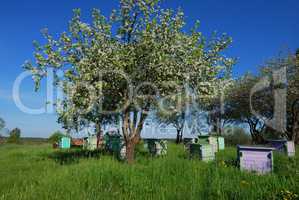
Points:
(288, 195)
(244, 183)
(222, 163)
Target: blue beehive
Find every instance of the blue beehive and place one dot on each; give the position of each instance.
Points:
(221, 143)
(65, 143)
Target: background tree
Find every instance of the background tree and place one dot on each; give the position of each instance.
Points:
(14, 136)
(217, 115)
(174, 112)
(289, 63)
(119, 67)
(239, 105)
(235, 135)
(2, 123)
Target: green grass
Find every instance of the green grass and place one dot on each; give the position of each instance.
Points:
(30, 172)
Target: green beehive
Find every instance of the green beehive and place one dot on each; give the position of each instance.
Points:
(195, 151)
(203, 152)
(65, 143)
(115, 145)
(151, 144)
(221, 143)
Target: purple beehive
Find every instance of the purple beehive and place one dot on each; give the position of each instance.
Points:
(255, 158)
(279, 145)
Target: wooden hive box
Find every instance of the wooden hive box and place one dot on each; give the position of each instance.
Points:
(290, 148)
(90, 142)
(221, 143)
(115, 143)
(195, 151)
(284, 146)
(214, 142)
(202, 151)
(256, 159)
(187, 142)
(123, 153)
(151, 145)
(161, 147)
(157, 147)
(65, 143)
(279, 145)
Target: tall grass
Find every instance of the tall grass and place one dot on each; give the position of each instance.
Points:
(29, 172)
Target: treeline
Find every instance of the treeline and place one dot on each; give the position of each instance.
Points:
(14, 136)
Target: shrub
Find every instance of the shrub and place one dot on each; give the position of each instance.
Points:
(55, 137)
(236, 135)
(14, 136)
(2, 123)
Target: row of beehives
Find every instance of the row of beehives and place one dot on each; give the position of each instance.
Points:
(204, 147)
(250, 158)
(110, 142)
(260, 159)
(113, 143)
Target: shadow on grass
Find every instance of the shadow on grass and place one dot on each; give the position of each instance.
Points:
(72, 156)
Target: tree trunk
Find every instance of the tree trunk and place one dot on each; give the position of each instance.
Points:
(131, 134)
(178, 136)
(130, 151)
(257, 138)
(181, 137)
(295, 135)
(297, 139)
(99, 135)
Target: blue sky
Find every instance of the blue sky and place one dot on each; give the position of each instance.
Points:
(259, 28)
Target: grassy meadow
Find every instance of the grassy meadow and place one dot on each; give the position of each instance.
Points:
(32, 171)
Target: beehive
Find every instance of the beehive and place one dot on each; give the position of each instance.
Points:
(257, 159)
(65, 143)
(290, 148)
(221, 143)
(202, 151)
(284, 146)
(157, 147)
(90, 143)
(161, 147)
(187, 142)
(145, 145)
(214, 142)
(122, 153)
(279, 145)
(115, 144)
